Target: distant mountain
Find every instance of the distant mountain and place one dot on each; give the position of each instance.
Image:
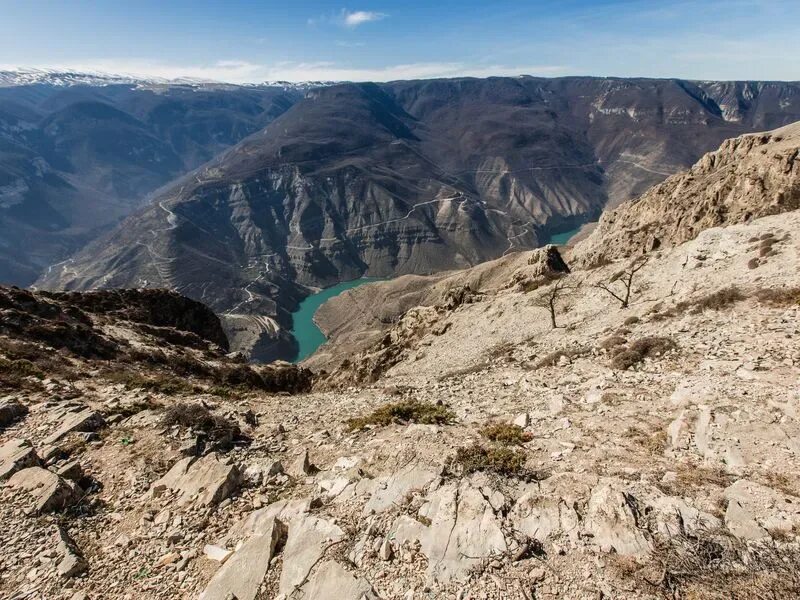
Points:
(79, 152)
(411, 177)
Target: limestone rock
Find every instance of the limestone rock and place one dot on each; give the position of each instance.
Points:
(85, 420)
(206, 481)
(612, 521)
(48, 491)
(72, 562)
(242, 574)
(463, 531)
(331, 579)
(11, 411)
(16, 454)
(387, 490)
(307, 539)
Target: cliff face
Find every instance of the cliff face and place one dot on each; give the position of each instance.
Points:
(406, 177)
(748, 177)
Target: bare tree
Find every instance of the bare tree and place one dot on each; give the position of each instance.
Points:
(624, 277)
(550, 298)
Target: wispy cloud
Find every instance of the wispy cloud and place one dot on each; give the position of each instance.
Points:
(242, 71)
(359, 17)
(344, 44)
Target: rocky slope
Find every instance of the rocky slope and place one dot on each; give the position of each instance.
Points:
(79, 153)
(643, 453)
(410, 177)
(748, 177)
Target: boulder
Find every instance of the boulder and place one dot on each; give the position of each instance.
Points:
(16, 454)
(47, 491)
(330, 576)
(84, 420)
(463, 532)
(206, 481)
(308, 538)
(612, 522)
(241, 575)
(753, 509)
(389, 490)
(11, 411)
(72, 562)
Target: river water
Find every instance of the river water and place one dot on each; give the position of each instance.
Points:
(305, 330)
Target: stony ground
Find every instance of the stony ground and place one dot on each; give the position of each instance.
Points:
(674, 477)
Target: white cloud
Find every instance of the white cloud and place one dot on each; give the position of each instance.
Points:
(359, 17)
(242, 71)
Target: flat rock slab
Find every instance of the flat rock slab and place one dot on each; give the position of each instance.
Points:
(388, 490)
(463, 531)
(243, 573)
(16, 455)
(11, 411)
(72, 562)
(48, 491)
(206, 481)
(85, 420)
(331, 580)
(612, 522)
(754, 509)
(307, 540)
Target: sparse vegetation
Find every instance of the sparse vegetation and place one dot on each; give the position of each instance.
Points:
(715, 565)
(778, 297)
(553, 358)
(625, 278)
(404, 411)
(647, 347)
(552, 296)
(497, 459)
(507, 434)
(719, 300)
(197, 418)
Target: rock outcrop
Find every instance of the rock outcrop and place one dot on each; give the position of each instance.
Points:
(748, 177)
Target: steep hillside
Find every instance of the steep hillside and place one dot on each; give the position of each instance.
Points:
(642, 453)
(409, 177)
(77, 155)
(748, 177)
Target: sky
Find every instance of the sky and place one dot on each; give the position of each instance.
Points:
(248, 41)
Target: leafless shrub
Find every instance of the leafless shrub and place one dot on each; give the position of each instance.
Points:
(624, 278)
(778, 297)
(552, 296)
(646, 347)
(715, 565)
(552, 359)
(198, 419)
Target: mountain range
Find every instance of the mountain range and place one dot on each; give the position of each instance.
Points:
(347, 180)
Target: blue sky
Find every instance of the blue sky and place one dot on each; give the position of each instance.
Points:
(250, 41)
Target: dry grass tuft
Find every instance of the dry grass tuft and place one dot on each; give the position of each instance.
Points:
(506, 434)
(779, 297)
(404, 411)
(199, 419)
(499, 459)
(647, 347)
(714, 565)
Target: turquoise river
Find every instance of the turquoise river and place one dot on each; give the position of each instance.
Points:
(305, 330)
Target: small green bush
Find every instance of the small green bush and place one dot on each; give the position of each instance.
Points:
(404, 411)
(501, 460)
(506, 434)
